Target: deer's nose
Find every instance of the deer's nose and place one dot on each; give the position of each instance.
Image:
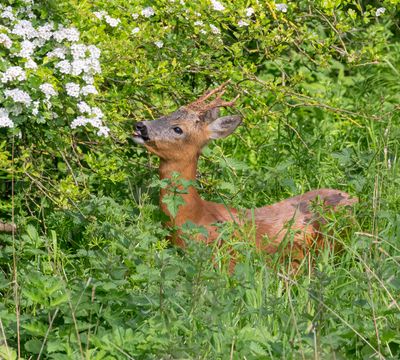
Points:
(141, 128)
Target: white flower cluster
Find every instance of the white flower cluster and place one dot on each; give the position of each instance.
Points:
(25, 41)
(148, 12)
(113, 22)
(93, 117)
(281, 7)
(18, 96)
(217, 5)
(5, 41)
(214, 29)
(243, 23)
(380, 11)
(48, 90)
(5, 121)
(249, 11)
(13, 73)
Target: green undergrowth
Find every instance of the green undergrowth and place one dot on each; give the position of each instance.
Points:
(91, 273)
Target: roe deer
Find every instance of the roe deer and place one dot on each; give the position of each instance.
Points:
(178, 138)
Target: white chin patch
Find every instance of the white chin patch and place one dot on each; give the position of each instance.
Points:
(138, 140)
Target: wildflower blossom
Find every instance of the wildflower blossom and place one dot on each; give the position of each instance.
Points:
(70, 34)
(380, 11)
(30, 64)
(7, 14)
(25, 29)
(5, 41)
(57, 52)
(135, 16)
(78, 51)
(35, 108)
(72, 89)
(27, 49)
(83, 107)
(45, 32)
(88, 89)
(135, 30)
(242, 23)
(103, 131)
(13, 73)
(148, 12)
(64, 67)
(281, 7)
(5, 121)
(113, 22)
(19, 96)
(159, 44)
(249, 11)
(217, 5)
(198, 23)
(202, 31)
(214, 29)
(100, 14)
(48, 90)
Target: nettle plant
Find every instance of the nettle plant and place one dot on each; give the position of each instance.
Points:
(46, 73)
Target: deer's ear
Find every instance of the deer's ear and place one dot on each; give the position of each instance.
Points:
(224, 126)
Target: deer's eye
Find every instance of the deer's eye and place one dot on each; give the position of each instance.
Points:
(178, 130)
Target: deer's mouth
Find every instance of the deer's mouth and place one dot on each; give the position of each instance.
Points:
(140, 138)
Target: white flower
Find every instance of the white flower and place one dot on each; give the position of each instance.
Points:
(7, 14)
(103, 131)
(135, 16)
(25, 29)
(88, 79)
(135, 30)
(281, 7)
(242, 23)
(13, 73)
(70, 34)
(27, 49)
(147, 12)
(19, 96)
(5, 121)
(217, 5)
(6, 41)
(48, 90)
(97, 112)
(380, 11)
(45, 32)
(214, 29)
(57, 52)
(112, 21)
(159, 44)
(78, 51)
(100, 14)
(35, 107)
(64, 66)
(72, 89)
(249, 11)
(84, 108)
(198, 23)
(202, 31)
(88, 89)
(30, 64)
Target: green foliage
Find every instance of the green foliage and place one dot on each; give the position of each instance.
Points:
(91, 272)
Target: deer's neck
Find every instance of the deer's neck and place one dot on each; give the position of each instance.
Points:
(192, 208)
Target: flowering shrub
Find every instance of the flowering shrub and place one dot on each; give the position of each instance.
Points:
(45, 70)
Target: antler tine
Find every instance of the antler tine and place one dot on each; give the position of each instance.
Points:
(208, 94)
(200, 104)
(220, 103)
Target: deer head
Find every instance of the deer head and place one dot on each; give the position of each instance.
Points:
(184, 132)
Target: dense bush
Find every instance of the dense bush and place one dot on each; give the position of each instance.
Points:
(90, 272)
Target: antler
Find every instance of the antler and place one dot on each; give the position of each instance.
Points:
(200, 105)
